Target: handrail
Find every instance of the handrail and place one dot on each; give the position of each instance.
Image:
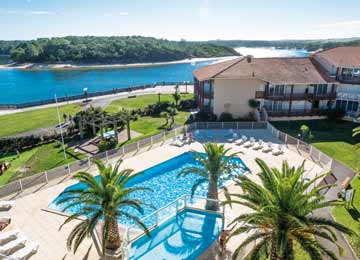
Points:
(126, 245)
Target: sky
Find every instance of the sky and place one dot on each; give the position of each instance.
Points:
(181, 19)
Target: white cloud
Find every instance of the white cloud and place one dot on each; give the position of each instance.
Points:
(116, 14)
(41, 12)
(345, 24)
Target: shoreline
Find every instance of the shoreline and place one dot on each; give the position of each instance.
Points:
(74, 66)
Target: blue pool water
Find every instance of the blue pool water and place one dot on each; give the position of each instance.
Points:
(184, 236)
(19, 86)
(164, 184)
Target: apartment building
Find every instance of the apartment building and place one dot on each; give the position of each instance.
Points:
(284, 86)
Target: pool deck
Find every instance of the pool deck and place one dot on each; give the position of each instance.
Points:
(30, 216)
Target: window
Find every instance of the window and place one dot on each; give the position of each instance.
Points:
(277, 106)
(207, 88)
(322, 89)
(347, 105)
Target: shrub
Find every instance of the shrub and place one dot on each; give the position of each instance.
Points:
(105, 145)
(187, 104)
(253, 103)
(226, 117)
(335, 114)
(13, 144)
(205, 116)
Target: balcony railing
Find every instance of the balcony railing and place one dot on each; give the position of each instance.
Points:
(297, 96)
(298, 112)
(349, 79)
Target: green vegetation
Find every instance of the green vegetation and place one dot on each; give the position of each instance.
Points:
(141, 102)
(148, 125)
(351, 216)
(335, 139)
(38, 159)
(104, 201)
(310, 45)
(282, 208)
(120, 49)
(215, 165)
(33, 119)
(332, 138)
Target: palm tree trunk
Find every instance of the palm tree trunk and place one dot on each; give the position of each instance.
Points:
(274, 255)
(128, 129)
(114, 240)
(213, 195)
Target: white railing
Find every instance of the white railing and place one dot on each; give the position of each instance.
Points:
(163, 214)
(42, 178)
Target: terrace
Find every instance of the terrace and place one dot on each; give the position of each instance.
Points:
(31, 214)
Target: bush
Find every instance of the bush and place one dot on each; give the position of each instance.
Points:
(105, 145)
(226, 117)
(335, 114)
(187, 104)
(205, 116)
(13, 144)
(253, 103)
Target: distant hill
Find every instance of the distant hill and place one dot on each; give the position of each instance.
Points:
(124, 49)
(309, 45)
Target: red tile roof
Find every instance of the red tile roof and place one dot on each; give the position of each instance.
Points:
(345, 56)
(210, 71)
(274, 70)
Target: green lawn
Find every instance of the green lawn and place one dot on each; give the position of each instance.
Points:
(148, 125)
(38, 159)
(335, 139)
(141, 101)
(34, 119)
(351, 216)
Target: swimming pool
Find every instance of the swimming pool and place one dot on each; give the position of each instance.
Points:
(184, 236)
(164, 183)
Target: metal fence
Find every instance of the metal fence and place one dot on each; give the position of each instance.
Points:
(90, 94)
(139, 146)
(302, 147)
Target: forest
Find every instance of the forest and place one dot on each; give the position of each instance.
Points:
(124, 49)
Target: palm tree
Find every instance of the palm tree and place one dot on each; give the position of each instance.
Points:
(176, 96)
(102, 200)
(282, 208)
(214, 164)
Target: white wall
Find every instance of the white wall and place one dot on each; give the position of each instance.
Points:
(232, 95)
(330, 68)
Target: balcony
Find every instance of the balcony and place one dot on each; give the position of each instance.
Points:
(349, 79)
(298, 96)
(298, 112)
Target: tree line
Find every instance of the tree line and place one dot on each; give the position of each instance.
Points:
(309, 45)
(122, 49)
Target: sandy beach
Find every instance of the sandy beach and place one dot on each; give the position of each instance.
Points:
(62, 66)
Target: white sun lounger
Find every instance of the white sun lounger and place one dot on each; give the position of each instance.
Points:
(25, 252)
(268, 148)
(259, 145)
(8, 235)
(249, 143)
(6, 204)
(13, 245)
(242, 140)
(278, 150)
(177, 142)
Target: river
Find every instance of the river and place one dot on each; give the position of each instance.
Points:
(19, 86)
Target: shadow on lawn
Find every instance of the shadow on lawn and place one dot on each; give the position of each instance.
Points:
(354, 213)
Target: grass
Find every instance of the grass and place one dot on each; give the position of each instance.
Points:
(33, 119)
(141, 101)
(351, 216)
(148, 125)
(335, 139)
(38, 159)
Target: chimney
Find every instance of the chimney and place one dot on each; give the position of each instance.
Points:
(249, 58)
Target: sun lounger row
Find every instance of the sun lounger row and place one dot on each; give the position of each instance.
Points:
(15, 246)
(259, 145)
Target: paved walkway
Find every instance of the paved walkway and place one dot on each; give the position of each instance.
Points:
(103, 101)
(30, 213)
